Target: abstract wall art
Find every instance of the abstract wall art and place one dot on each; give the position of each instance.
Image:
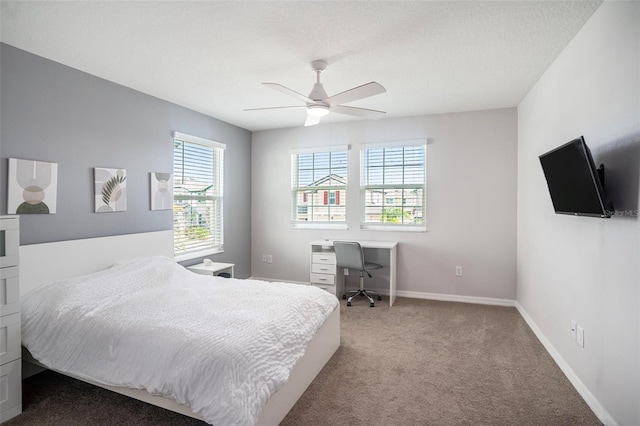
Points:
(110, 190)
(32, 187)
(161, 191)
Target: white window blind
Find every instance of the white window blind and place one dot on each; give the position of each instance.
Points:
(393, 182)
(198, 167)
(319, 186)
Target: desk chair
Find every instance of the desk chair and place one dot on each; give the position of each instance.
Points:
(350, 255)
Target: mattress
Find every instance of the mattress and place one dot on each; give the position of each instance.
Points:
(220, 346)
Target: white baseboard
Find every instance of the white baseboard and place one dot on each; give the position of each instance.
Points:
(421, 295)
(456, 298)
(582, 389)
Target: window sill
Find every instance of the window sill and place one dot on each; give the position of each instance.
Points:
(298, 225)
(393, 228)
(196, 254)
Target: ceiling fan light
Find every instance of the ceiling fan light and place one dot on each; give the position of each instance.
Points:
(317, 110)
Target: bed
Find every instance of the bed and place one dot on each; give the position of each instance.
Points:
(44, 263)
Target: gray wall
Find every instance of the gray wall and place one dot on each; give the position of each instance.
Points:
(584, 268)
(470, 214)
(50, 112)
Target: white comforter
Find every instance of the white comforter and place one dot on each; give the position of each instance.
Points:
(221, 346)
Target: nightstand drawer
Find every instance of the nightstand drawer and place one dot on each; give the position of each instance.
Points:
(213, 269)
(325, 279)
(9, 290)
(10, 338)
(326, 258)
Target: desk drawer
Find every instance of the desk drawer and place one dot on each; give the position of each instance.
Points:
(328, 288)
(323, 268)
(326, 279)
(326, 258)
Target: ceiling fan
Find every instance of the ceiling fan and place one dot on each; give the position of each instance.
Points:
(318, 104)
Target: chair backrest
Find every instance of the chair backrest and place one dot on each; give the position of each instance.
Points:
(349, 255)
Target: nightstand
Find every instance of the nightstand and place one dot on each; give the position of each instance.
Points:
(215, 268)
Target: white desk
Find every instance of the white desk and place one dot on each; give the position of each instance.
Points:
(326, 275)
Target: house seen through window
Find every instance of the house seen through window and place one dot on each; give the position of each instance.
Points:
(393, 181)
(319, 187)
(198, 167)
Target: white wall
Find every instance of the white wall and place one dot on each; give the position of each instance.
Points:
(577, 268)
(471, 202)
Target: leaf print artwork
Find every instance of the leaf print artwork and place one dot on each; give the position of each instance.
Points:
(110, 190)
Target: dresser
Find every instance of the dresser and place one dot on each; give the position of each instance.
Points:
(10, 351)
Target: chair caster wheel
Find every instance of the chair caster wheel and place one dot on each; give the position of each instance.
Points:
(371, 305)
(348, 303)
(379, 297)
(344, 296)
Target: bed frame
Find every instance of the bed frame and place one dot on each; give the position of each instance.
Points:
(42, 263)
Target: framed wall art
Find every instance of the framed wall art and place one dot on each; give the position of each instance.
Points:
(32, 187)
(161, 191)
(110, 190)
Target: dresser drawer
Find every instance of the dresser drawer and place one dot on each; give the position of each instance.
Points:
(10, 390)
(323, 268)
(9, 338)
(326, 258)
(9, 241)
(9, 290)
(326, 279)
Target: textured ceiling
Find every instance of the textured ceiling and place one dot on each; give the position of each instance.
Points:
(211, 56)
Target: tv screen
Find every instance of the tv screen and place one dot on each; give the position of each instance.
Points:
(574, 182)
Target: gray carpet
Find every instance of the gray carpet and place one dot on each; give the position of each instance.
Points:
(418, 363)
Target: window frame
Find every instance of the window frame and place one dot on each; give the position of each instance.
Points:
(364, 187)
(216, 215)
(328, 189)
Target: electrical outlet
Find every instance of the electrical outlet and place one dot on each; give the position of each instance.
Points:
(346, 271)
(580, 335)
(573, 329)
(458, 271)
(264, 258)
(269, 258)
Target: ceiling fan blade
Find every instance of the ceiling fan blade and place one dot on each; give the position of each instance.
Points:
(360, 92)
(287, 91)
(311, 120)
(358, 112)
(279, 107)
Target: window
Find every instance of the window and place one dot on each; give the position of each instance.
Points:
(393, 182)
(319, 187)
(198, 168)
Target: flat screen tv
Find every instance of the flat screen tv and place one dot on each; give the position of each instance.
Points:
(575, 185)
